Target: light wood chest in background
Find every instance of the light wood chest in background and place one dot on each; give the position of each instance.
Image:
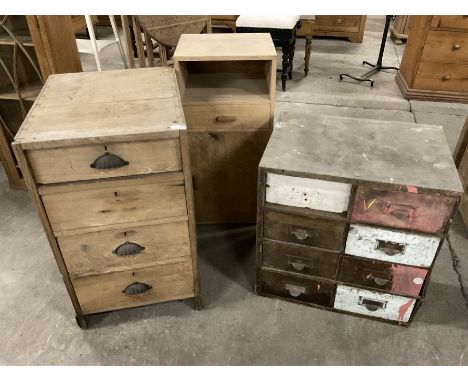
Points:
(351, 220)
(350, 26)
(227, 84)
(105, 157)
(435, 61)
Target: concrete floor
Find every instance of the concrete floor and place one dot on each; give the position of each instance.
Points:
(237, 327)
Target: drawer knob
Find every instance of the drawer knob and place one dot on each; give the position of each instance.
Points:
(390, 248)
(108, 161)
(372, 305)
(225, 118)
(301, 233)
(294, 290)
(298, 266)
(127, 249)
(456, 47)
(446, 77)
(380, 281)
(136, 289)
(339, 21)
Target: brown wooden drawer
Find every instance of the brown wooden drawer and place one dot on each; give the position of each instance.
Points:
(406, 210)
(444, 46)
(394, 278)
(227, 117)
(336, 23)
(299, 259)
(101, 203)
(442, 76)
(451, 22)
(297, 288)
(66, 164)
(124, 248)
(312, 231)
(107, 292)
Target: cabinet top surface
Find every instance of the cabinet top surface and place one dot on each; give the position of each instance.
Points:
(225, 47)
(361, 149)
(95, 106)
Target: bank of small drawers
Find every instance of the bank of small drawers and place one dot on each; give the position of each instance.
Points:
(355, 248)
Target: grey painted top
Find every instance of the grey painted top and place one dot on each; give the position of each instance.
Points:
(364, 149)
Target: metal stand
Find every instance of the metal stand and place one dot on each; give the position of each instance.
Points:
(378, 66)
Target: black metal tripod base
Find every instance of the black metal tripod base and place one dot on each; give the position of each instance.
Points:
(375, 68)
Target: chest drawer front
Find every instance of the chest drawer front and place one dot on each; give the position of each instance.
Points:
(108, 160)
(121, 249)
(311, 231)
(375, 304)
(394, 246)
(425, 213)
(227, 117)
(452, 22)
(299, 259)
(336, 23)
(307, 193)
(442, 46)
(442, 76)
(297, 288)
(115, 201)
(135, 287)
(394, 278)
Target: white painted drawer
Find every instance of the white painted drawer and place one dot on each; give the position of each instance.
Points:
(308, 193)
(397, 247)
(375, 304)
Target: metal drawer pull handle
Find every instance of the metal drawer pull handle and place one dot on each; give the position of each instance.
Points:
(108, 161)
(298, 266)
(456, 47)
(372, 305)
(446, 77)
(380, 281)
(399, 210)
(294, 290)
(225, 118)
(127, 249)
(136, 289)
(390, 248)
(301, 234)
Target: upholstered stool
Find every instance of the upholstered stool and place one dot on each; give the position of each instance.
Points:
(283, 33)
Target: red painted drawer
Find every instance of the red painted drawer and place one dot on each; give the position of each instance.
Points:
(394, 278)
(399, 209)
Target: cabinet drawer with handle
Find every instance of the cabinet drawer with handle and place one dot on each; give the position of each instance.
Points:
(375, 304)
(443, 46)
(442, 76)
(394, 246)
(395, 278)
(297, 288)
(107, 160)
(405, 210)
(227, 117)
(311, 231)
(124, 248)
(136, 287)
(299, 259)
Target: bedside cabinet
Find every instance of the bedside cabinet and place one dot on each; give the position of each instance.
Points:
(227, 84)
(351, 221)
(106, 159)
(434, 66)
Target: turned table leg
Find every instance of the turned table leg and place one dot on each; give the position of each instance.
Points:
(292, 48)
(285, 65)
(308, 49)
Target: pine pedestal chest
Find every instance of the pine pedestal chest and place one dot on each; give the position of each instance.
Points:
(106, 159)
(352, 214)
(227, 84)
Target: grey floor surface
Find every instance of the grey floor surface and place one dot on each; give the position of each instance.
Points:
(237, 327)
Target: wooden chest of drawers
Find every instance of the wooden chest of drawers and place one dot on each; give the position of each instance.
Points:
(435, 62)
(105, 156)
(351, 220)
(350, 26)
(227, 84)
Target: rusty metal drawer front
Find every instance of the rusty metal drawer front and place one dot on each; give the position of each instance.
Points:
(375, 304)
(394, 278)
(405, 210)
(299, 259)
(297, 288)
(312, 231)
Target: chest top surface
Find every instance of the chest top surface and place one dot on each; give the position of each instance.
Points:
(362, 149)
(225, 46)
(94, 105)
